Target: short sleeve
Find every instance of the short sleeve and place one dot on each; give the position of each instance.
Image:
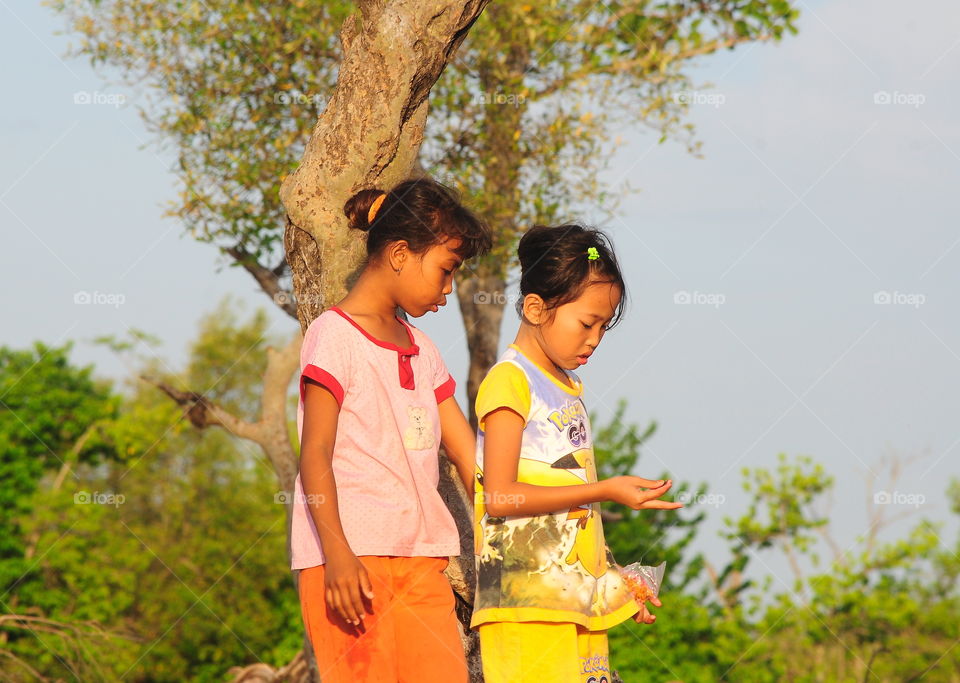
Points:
(443, 383)
(505, 386)
(325, 356)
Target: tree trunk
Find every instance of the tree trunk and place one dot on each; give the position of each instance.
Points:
(369, 135)
(461, 572)
(482, 298)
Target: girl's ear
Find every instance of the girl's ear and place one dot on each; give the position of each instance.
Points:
(397, 254)
(533, 309)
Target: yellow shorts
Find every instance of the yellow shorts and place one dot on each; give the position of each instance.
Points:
(537, 651)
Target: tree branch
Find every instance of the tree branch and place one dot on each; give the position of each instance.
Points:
(281, 365)
(203, 413)
(267, 278)
(724, 593)
(270, 430)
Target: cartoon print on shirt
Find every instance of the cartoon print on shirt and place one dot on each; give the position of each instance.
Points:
(579, 468)
(585, 550)
(576, 467)
(419, 432)
(556, 563)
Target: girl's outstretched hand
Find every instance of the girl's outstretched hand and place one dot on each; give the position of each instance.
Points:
(639, 493)
(644, 616)
(346, 583)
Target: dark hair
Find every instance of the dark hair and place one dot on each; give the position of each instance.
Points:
(555, 264)
(421, 212)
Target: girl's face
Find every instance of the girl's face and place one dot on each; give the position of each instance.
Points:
(570, 333)
(425, 280)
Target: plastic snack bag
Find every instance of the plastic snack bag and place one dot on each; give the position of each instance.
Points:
(643, 580)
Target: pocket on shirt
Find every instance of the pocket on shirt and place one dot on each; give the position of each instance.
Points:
(419, 433)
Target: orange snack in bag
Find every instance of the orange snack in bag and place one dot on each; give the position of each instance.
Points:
(641, 591)
(643, 580)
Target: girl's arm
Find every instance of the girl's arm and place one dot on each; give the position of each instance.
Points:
(459, 441)
(345, 577)
(504, 495)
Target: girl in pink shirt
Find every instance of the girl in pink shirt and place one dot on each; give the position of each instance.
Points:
(371, 535)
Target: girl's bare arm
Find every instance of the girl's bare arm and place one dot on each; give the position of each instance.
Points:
(346, 579)
(504, 495)
(459, 441)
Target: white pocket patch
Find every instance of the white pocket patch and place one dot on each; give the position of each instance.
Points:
(419, 432)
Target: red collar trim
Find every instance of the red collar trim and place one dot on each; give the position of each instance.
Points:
(411, 350)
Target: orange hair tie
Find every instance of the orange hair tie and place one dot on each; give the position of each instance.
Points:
(377, 203)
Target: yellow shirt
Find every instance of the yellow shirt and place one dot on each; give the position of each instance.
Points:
(555, 566)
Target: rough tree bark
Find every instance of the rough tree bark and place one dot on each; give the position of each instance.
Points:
(369, 135)
(480, 294)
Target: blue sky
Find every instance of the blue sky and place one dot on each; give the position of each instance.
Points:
(827, 188)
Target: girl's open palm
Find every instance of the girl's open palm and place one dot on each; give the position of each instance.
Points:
(639, 493)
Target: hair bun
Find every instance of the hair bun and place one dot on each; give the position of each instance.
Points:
(357, 208)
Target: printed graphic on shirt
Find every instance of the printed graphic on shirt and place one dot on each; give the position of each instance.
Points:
(419, 432)
(553, 567)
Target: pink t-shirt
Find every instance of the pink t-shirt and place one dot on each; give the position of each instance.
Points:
(388, 432)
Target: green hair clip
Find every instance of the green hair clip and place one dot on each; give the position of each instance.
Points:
(593, 254)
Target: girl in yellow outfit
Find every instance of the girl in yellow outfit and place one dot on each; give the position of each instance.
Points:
(547, 590)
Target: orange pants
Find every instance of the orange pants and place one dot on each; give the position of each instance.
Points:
(411, 634)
